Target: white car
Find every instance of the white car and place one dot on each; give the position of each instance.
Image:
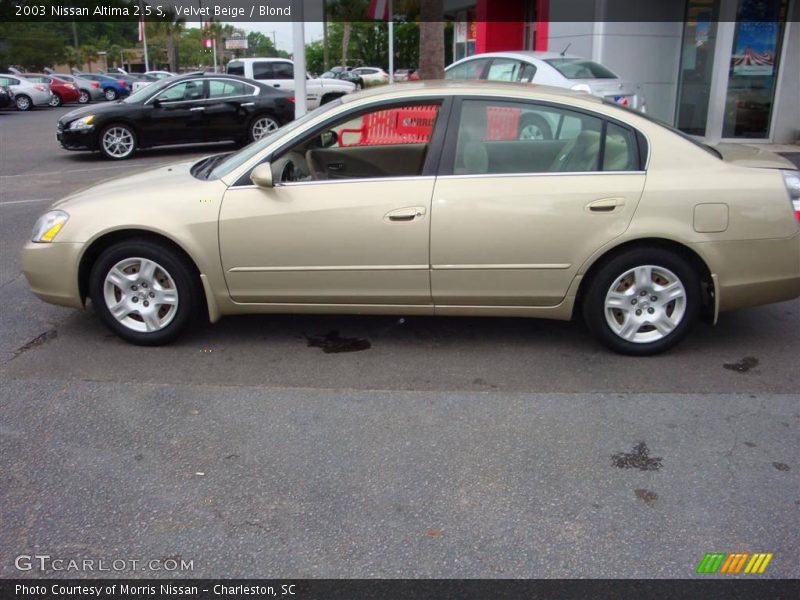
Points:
(550, 68)
(27, 94)
(372, 75)
(279, 73)
(152, 77)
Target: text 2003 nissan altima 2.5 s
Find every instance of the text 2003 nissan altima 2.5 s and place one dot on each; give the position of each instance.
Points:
(188, 109)
(420, 199)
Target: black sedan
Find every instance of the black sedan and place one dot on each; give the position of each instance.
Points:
(6, 97)
(180, 110)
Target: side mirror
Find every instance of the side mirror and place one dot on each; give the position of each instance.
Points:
(328, 139)
(156, 103)
(262, 175)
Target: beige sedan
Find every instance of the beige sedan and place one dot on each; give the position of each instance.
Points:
(422, 199)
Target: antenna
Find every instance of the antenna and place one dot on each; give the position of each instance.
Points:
(564, 51)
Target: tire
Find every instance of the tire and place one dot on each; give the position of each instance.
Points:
(110, 94)
(534, 127)
(55, 101)
(23, 102)
(117, 141)
(619, 306)
(134, 272)
(85, 97)
(260, 126)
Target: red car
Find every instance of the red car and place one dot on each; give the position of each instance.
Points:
(63, 91)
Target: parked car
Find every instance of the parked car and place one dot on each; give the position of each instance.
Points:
(63, 91)
(279, 73)
(344, 76)
(6, 96)
(150, 77)
(372, 75)
(114, 87)
(550, 68)
(88, 91)
(27, 94)
(406, 75)
(419, 199)
(187, 109)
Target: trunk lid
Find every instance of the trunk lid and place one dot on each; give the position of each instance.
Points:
(751, 156)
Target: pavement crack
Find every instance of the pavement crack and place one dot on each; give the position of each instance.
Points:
(39, 340)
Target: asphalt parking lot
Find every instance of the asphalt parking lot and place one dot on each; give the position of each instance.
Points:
(443, 447)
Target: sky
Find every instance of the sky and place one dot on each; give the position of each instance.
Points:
(283, 31)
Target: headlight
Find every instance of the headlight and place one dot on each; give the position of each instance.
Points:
(82, 123)
(48, 225)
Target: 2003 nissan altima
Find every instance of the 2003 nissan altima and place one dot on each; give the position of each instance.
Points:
(421, 199)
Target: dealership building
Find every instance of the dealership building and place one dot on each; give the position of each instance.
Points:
(722, 70)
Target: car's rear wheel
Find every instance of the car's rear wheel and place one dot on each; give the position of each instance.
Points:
(642, 302)
(117, 142)
(534, 127)
(85, 97)
(110, 94)
(143, 291)
(262, 125)
(55, 100)
(23, 102)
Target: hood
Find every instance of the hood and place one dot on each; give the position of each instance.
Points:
(164, 180)
(752, 156)
(88, 110)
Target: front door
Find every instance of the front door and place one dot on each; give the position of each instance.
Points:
(347, 221)
(514, 217)
(176, 115)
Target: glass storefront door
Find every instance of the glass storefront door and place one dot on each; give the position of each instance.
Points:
(754, 65)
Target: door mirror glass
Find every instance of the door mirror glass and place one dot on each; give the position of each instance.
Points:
(262, 175)
(328, 139)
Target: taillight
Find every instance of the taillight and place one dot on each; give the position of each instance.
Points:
(291, 99)
(95, 85)
(792, 181)
(122, 83)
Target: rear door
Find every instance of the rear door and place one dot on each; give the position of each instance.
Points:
(229, 106)
(513, 220)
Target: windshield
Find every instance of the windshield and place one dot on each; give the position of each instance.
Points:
(239, 158)
(576, 68)
(143, 93)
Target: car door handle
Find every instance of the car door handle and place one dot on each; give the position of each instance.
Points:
(277, 85)
(247, 104)
(335, 166)
(605, 204)
(197, 109)
(408, 213)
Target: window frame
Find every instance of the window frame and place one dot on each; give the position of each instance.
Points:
(447, 158)
(254, 90)
(432, 156)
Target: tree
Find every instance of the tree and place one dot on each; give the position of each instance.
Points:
(347, 11)
(30, 45)
(88, 55)
(72, 56)
(259, 44)
(431, 40)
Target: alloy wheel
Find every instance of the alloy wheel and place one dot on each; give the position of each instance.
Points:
(141, 295)
(23, 102)
(84, 97)
(118, 142)
(263, 126)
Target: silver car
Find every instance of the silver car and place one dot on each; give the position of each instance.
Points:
(90, 90)
(27, 94)
(549, 68)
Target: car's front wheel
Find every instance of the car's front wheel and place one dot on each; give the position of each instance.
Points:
(110, 94)
(85, 97)
(117, 142)
(143, 291)
(534, 127)
(643, 302)
(23, 102)
(55, 100)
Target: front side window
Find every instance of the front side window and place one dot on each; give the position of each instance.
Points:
(262, 70)
(187, 90)
(498, 137)
(471, 69)
(385, 142)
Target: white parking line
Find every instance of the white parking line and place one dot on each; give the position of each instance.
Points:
(27, 201)
(68, 171)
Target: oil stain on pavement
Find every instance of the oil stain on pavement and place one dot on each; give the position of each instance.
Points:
(333, 343)
(638, 459)
(743, 366)
(646, 496)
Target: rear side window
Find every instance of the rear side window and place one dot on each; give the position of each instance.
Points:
(580, 69)
(226, 89)
(498, 137)
(236, 67)
(504, 69)
(472, 69)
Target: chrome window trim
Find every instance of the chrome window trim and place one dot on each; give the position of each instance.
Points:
(540, 174)
(338, 181)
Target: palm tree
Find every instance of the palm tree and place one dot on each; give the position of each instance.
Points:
(431, 40)
(347, 11)
(88, 54)
(72, 56)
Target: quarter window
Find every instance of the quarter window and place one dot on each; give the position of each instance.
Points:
(236, 67)
(504, 69)
(227, 89)
(471, 69)
(497, 137)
